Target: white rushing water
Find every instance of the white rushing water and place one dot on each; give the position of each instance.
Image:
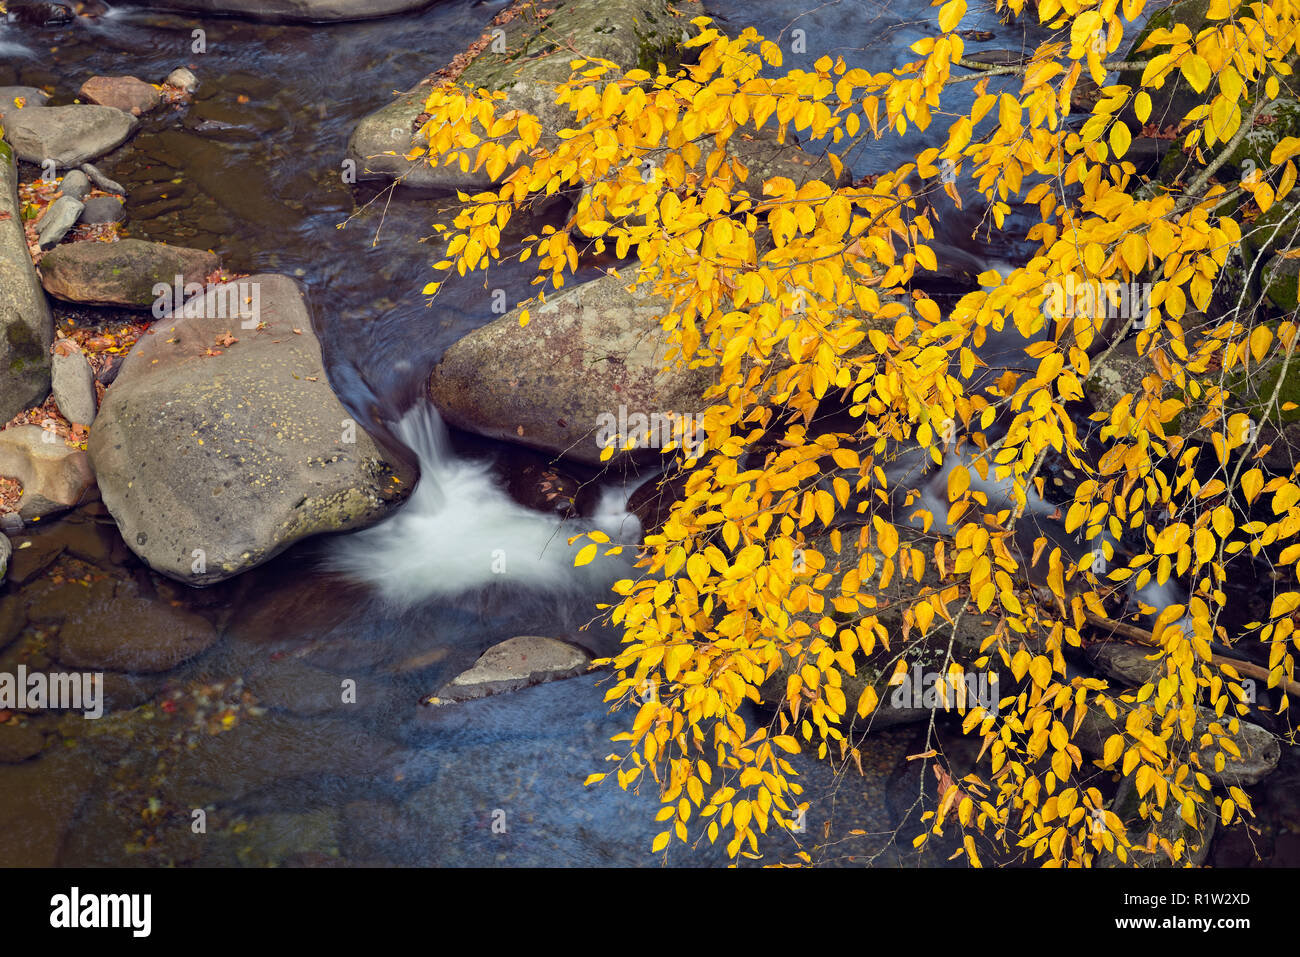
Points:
(460, 532)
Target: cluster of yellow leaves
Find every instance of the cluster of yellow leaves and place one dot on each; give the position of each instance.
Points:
(799, 292)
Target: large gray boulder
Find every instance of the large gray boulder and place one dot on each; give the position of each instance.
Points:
(26, 328)
(219, 446)
(68, 135)
(588, 358)
(631, 33)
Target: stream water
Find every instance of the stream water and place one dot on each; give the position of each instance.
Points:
(253, 170)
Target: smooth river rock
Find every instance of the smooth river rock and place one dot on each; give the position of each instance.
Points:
(123, 273)
(584, 353)
(215, 455)
(513, 664)
(102, 209)
(628, 32)
(125, 93)
(26, 328)
(54, 475)
(59, 217)
(74, 387)
(68, 135)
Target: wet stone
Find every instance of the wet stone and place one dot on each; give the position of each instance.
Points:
(32, 556)
(19, 742)
(102, 209)
(38, 800)
(132, 634)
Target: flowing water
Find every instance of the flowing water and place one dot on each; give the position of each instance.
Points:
(253, 170)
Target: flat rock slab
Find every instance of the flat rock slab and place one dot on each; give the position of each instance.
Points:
(514, 664)
(217, 447)
(559, 384)
(26, 328)
(54, 475)
(69, 135)
(132, 634)
(124, 273)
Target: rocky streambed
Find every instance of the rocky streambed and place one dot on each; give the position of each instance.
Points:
(178, 487)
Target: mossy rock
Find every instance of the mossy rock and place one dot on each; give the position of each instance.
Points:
(1281, 279)
(631, 33)
(1171, 102)
(1280, 120)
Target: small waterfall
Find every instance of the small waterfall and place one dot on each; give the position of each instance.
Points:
(461, 532)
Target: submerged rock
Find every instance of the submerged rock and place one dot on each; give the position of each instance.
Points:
(26, 328)
(68, 135)
(19, 742)
(560, 384)
(38, 800)
(514, 664)
(132, 634)
(40, 13)
(219, 446)
(123, 273)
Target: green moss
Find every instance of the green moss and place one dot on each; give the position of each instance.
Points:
(1252, 395)
(1281, 291)
(6, 152)
(23, 347)
(653, 49)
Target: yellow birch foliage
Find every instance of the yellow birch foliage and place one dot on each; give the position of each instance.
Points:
(796, 293)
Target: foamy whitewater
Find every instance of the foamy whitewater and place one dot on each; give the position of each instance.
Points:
(460, 531)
